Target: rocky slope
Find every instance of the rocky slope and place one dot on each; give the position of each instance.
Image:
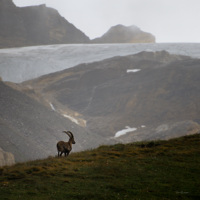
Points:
(156, 94)
(35, 25)
(123, 34)
(30, 130)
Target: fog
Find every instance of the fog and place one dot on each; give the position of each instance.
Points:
(168, 20)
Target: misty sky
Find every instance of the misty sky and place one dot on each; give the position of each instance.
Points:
(168, 20)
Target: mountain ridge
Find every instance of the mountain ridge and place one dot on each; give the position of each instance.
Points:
(35, 25)
(41, 25)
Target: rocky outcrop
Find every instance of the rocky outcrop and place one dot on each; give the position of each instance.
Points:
(124, 34)
(35, 25)
(6, 158)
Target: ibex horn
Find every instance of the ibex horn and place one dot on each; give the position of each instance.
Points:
(69, 133)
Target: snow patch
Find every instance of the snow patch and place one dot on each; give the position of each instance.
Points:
(124, 131)
(132, 70)
(52, 107)
(83, 122)
(71, 118)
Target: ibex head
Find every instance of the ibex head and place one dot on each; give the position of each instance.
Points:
(71, 137)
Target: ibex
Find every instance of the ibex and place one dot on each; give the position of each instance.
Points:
(65, 147)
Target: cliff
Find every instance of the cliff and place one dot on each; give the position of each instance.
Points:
(35, 25)
(125, 34)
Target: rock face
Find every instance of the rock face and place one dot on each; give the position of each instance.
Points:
(123, 34)
(142, 91)
(35, 25)
(6, 158)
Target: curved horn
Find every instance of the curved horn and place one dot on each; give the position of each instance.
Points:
(68, 133)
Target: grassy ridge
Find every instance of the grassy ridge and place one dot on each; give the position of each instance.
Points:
(152, 170)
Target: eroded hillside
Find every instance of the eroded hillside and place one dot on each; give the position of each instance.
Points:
(156, 93)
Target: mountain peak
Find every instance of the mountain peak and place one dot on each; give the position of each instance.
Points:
(35, 25)
(120, 26)
(41, 25)
(6, 4)
(125, 34)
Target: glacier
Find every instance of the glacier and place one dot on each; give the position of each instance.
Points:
(25, 63)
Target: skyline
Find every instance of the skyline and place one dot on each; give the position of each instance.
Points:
(167, 20)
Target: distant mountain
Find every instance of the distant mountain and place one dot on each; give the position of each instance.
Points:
(30, 130)
(40, 25)
(35, 25)
(146, 96)
(125, 34)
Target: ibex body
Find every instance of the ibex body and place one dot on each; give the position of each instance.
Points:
(65, 147)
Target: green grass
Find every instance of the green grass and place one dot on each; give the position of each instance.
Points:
(151, 170)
